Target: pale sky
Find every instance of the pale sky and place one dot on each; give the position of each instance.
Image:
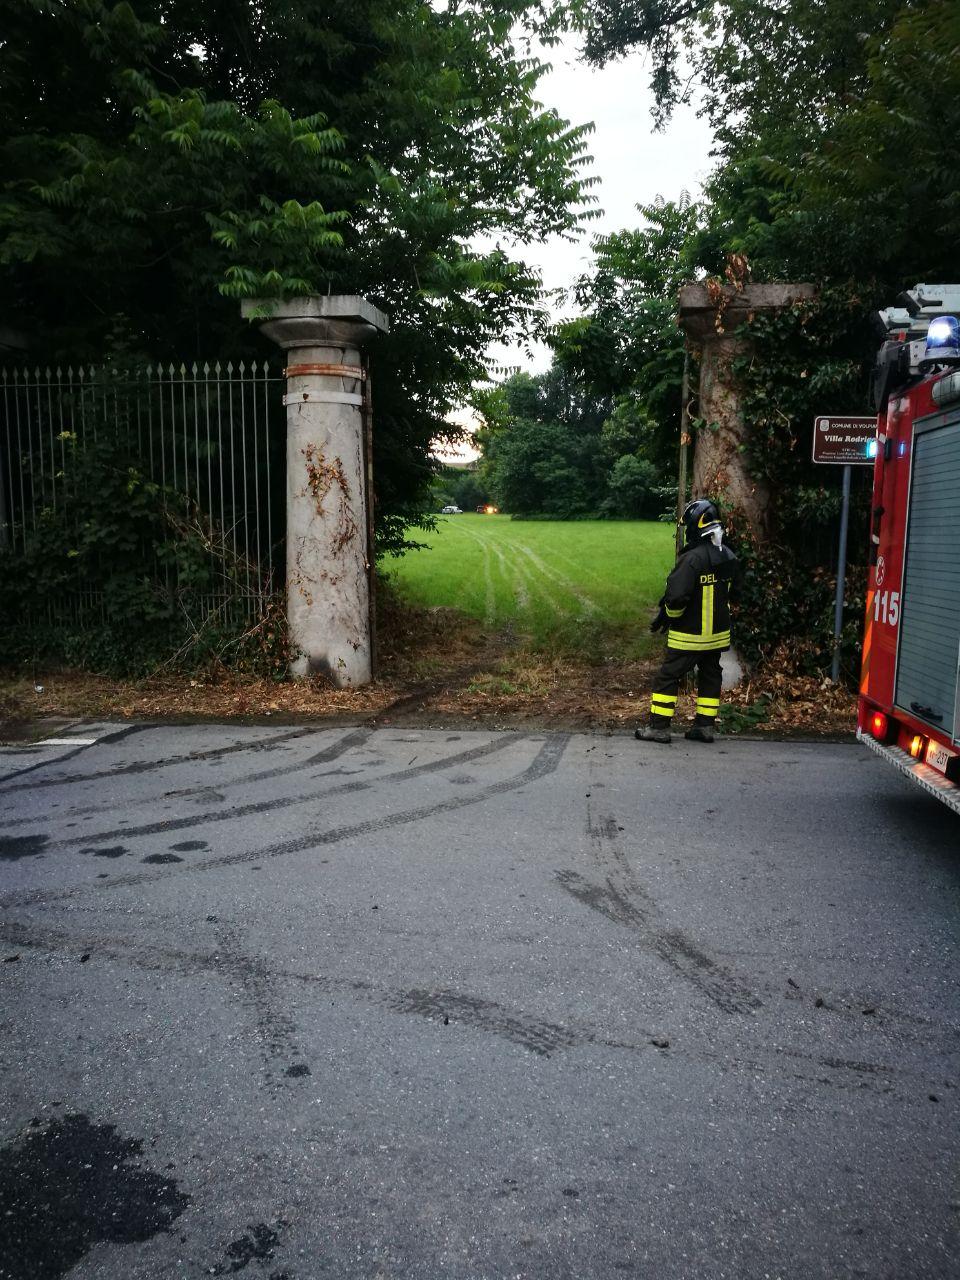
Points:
(634, 164)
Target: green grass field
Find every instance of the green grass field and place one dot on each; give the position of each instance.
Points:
(578, 587)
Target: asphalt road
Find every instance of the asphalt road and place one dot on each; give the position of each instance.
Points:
(293, 1003)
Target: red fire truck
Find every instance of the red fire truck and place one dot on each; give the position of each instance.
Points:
(909, 707)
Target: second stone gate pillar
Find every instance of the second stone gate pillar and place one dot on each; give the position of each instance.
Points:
(712, 319)
(328, 570)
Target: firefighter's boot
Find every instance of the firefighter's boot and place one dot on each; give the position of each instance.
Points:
(705, 719)
(701, 730)
(658, 730)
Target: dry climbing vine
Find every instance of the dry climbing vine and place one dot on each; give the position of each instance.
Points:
(323, 475)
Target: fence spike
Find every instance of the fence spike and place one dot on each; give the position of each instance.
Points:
(193, 368)
(216, 369)
(229, 368)
(206, 369)
(36, 373)
(240, 368)
(183, 372)
(3, 373)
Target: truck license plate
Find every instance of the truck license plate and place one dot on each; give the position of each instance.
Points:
(938, 757)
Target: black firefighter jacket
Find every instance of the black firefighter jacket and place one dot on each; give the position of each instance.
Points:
(697, 598)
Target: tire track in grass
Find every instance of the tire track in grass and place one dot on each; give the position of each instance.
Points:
(528, 579)
(536, 590)
(514, 585)
(590, 607)
(490, 602)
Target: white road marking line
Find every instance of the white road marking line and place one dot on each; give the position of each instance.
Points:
(66, 742)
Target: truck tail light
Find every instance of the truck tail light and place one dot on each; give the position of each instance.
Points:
(917, 744)
(879, 726)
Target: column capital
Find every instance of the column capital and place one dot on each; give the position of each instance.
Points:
(338, 320)
(698, 305)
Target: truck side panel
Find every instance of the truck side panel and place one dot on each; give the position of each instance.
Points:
(926, 681)
(891, 483)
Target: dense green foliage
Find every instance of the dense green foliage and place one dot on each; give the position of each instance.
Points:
(626, 345)
(163, 159)
(139, 563)
(551, 447)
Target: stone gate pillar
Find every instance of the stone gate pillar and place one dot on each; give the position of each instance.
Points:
(718, 461)
(328, 573)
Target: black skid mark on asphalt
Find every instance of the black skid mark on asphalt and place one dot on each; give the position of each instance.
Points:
(54, 760)
(487, 1016)
(161, 858)
(285, 802)
(71, 1184)
(259, 989)
(545, 762)
(13, 848)
(258, 992)
(111, 851)
(605, 898)
(622, 900)
(210, 795)
(196, 795)
(535, 1034)
(672, 946)
(258, 1245)
(187, 846)
(149, 766)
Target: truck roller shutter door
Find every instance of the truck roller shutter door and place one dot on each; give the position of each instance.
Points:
(930, 608)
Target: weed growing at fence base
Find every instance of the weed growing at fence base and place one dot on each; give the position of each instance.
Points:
(585, 588)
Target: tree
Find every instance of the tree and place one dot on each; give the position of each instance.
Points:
(167, 158)
(761, 68)
(876, 200)
(626, 345)
(633, 486)
(542, 445)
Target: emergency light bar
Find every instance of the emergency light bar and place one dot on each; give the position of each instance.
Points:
(908, 351)
(943, 341)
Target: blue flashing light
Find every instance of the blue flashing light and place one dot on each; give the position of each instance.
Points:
(902, 448)
(872, 448)
(943, 339)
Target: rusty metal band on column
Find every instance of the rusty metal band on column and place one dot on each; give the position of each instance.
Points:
(326, 370)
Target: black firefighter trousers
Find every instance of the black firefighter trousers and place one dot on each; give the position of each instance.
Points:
(666, 684)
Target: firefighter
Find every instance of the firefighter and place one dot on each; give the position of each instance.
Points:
(695, 613)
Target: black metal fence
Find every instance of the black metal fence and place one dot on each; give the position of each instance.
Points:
(213, 435)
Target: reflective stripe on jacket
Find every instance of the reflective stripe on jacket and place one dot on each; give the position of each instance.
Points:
(697, 598)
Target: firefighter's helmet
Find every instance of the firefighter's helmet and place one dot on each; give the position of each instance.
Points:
(700, 518)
